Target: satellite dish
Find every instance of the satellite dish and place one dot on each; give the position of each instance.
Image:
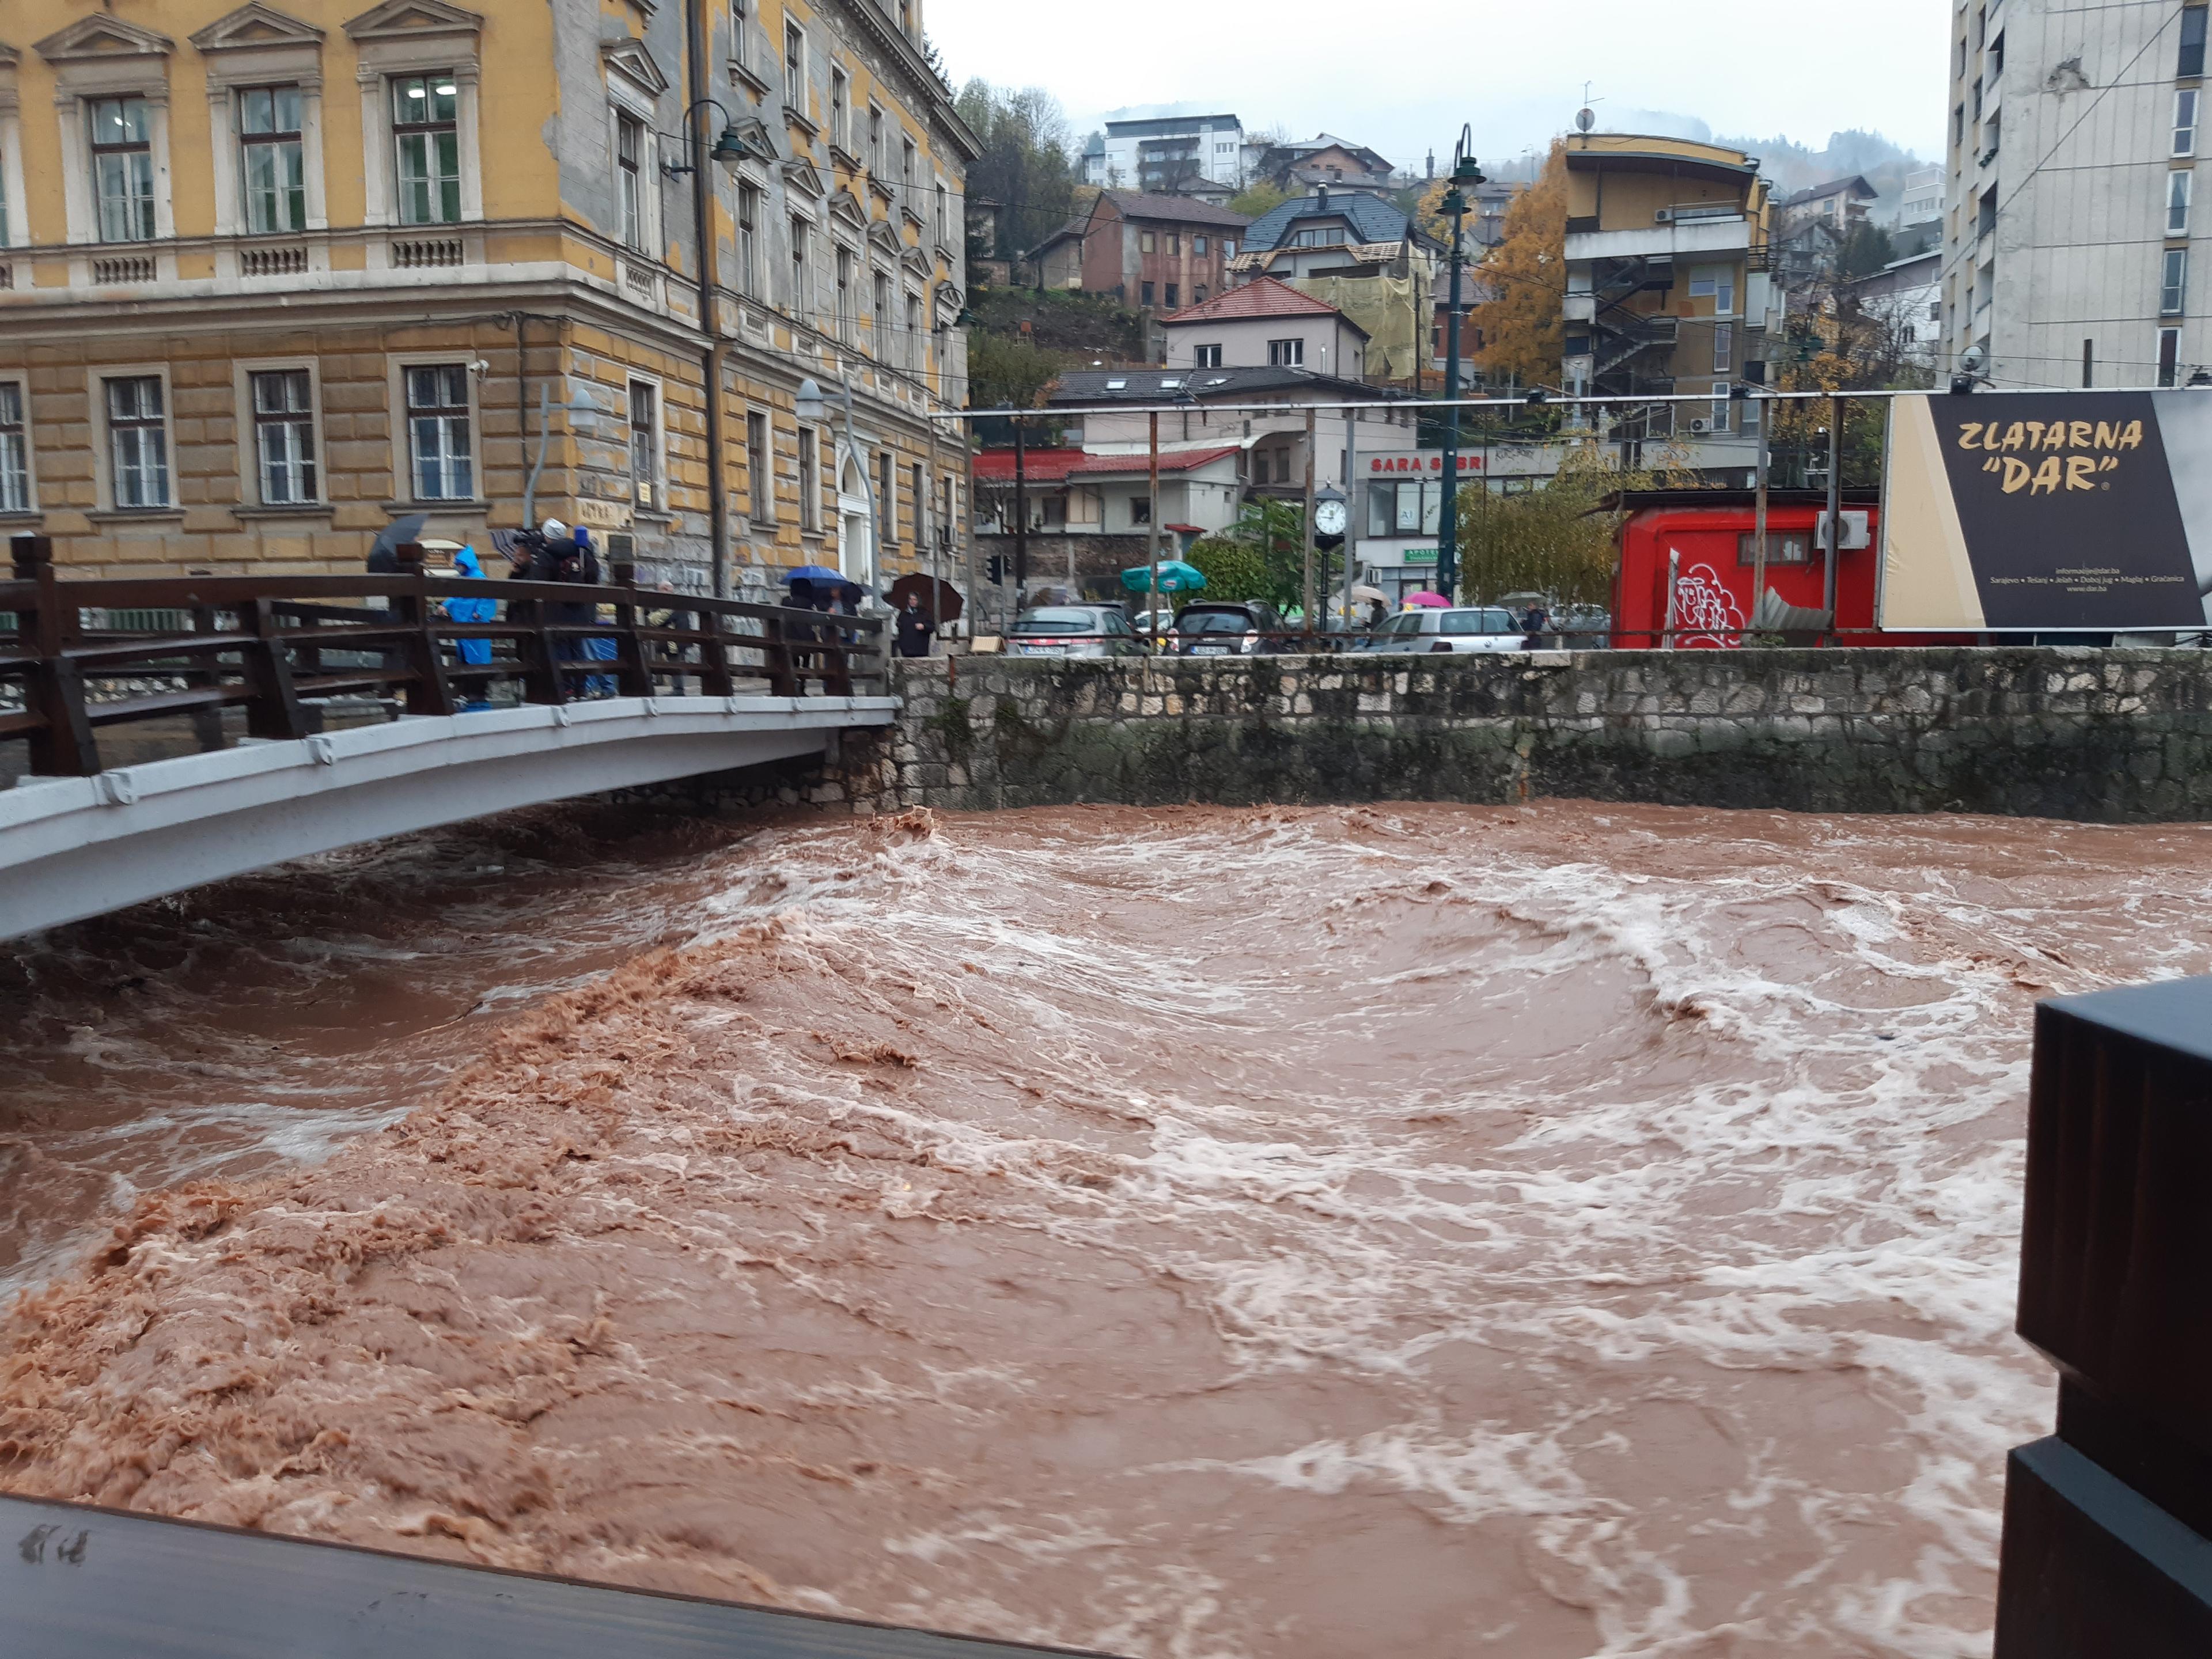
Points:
(1585, 119)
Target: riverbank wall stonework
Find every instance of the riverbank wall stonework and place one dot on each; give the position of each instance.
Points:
(2103, 736)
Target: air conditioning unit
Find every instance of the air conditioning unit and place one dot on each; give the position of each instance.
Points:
(1700, 426)
(1664, 216)
(1856, 532)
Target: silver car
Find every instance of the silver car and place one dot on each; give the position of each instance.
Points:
(1074, 630)
(1463, 628)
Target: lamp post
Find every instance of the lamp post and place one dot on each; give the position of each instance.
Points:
(811, 405)
(1465, 177)
(728, 149)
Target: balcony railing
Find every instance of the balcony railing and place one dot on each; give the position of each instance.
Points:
(124, 268)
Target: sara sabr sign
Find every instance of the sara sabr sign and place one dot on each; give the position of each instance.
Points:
(2053, 510)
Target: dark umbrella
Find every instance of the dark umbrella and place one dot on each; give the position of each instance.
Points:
(815, 572)
(383, 552)
(940, 600)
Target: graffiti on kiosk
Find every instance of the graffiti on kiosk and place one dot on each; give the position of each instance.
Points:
(1705, 611)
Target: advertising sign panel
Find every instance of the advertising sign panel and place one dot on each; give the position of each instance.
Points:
(2048, 511)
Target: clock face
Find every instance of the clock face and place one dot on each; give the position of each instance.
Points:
(1329, 518)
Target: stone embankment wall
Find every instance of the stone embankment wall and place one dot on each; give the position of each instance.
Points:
(2111, 736)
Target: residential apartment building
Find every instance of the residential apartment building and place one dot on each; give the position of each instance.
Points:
(1669, 288)
(1327, 159)
(1161, 253)
(2070, 241)
(275, 276)
(1168, 155)
(1359, 254)
(1265, 324)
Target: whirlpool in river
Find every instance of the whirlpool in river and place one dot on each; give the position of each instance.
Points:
(1565, 1231)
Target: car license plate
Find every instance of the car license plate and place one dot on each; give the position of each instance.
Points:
(1209, 651)
(1044, 651)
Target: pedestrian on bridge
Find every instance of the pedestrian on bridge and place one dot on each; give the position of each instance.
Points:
(474, 652)
(915, 629)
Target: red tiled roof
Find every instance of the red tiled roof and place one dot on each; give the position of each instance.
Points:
(1263, 296)
(1052, 466)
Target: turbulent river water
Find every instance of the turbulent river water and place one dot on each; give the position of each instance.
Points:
(1571, 1230)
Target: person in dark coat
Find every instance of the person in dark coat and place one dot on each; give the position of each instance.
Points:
(556, 554)
(915, 630)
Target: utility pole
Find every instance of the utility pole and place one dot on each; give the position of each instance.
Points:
(1351, 506)
(1465, 176)
(696, 35)
(1835, 504)
(1152, 540)
(1308, 596)
(1021, 517)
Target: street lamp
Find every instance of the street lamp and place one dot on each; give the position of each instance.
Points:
(1465, 177)
(811, 406)
(730, 149)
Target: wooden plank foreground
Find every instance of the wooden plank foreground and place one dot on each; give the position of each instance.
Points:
(93, 1583)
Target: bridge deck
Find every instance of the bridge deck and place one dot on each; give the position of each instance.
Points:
(100, 1584)
(72, 848)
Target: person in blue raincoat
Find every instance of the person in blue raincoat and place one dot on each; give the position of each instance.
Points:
(473, 688)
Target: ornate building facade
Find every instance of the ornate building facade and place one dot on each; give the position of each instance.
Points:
(272, 277)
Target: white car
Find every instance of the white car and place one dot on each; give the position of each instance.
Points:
(1463, 628)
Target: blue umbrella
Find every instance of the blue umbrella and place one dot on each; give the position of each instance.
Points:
(1175, 577)
(814, 573)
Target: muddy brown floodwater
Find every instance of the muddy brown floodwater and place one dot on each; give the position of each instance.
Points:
(1424, 1230)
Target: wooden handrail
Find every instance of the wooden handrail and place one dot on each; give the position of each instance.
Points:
(267, 642)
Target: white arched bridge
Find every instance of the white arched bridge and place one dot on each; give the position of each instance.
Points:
(617, 687)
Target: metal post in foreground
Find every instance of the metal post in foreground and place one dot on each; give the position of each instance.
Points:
(1152, 539)
(1351, 505)
(2108, 1523)
(1835, 509)
(1465, 177)
(1758, 513)
(1310, 595)
(1021, 520)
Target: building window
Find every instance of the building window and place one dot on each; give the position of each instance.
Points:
(1720, 288)
(2169, 355)
(1783, 547)
(912, 352)
(426, 126)
(438, 449)
(921, 481)
(799, 266)
(1206, 356)
(630, 163)
(760, 494)
(1144, 294)
(887, 499)
(794, 69)
(2173, 285)
(15, 451)
(2185, 122)
(942, 233)
(883, 318)
(1198, 246)
(2192, 43)
(138, 441)
(844, 294)
(272, 161)
(1144, 241)
(284, 435)
(741, 17)
(1198, 296)
(1175, 242)
(1229, 250)
(749, 213)
(1286, 353)
(1985, 220)
(123, 169)
(645, 445)
(1719, 417)
(878, 168)
(810, 479)
(1958, 127)
(1140, 509)
(2176, 202)
(905, 163)
(1724, 348)
(841, 107)
(1174, 296)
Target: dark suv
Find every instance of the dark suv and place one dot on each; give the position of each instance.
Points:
(1224, 628)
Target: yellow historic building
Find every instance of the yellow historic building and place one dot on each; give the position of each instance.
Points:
(272, 277)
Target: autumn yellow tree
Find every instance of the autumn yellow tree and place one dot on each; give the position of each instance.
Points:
(1526, 277)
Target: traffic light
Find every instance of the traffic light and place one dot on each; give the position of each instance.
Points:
(994, 568)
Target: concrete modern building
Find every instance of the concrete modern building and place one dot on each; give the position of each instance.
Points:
(2070, 241)
(1669, 287)
(277, 274)
(1168, 154)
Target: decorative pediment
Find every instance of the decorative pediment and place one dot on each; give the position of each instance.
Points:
(801, 175)
(399, 19)
(753, 133)
(256, 25)
(102, 37)
(915, 263)
(884, 240)
(631, 60)
(845, 209)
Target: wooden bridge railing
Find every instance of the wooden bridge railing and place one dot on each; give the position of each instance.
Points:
(270, 644)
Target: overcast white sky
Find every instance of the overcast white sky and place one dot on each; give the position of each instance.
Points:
(1406, 80)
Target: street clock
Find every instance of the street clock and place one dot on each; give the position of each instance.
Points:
(1329, 518)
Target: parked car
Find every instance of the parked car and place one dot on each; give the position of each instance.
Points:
(1222, 627)
(1073, 630)
(1463, 628)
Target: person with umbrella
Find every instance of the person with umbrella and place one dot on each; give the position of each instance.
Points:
(915, 629)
